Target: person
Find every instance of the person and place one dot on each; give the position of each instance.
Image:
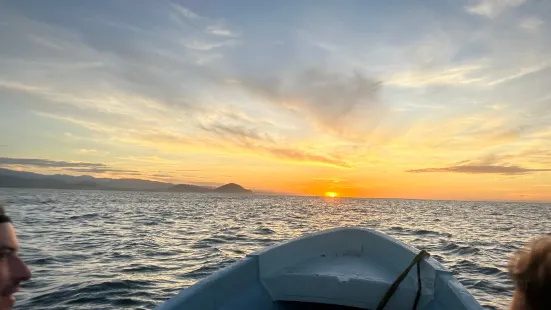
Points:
(12, 269)
(530, 270)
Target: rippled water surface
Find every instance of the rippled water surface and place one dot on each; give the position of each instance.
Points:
(132, 250)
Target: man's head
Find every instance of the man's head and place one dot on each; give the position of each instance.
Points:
(530, 269)
(12, 268)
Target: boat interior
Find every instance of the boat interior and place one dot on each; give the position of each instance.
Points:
(296, 305)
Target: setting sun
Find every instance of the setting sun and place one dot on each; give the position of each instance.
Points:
(331, 194)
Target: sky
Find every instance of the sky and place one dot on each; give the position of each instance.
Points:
(446, 99)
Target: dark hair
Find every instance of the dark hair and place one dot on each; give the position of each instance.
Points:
(530, 269)
(3, 217)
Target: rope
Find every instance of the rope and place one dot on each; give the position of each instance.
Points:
(419, 287)
(401, 278)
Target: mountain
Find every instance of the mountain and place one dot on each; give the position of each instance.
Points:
(135, 184)
(105, 183)
(188, 188)
(12, 181)
(23, 179)
(231, 188)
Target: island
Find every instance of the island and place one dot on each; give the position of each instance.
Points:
(232, 188)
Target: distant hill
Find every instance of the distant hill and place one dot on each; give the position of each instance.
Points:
(12, 181)
(188, 188)
(135, 184)
(232, 188)
(70, 181)
(23, 179)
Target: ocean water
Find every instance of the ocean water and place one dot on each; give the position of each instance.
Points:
(133, 250)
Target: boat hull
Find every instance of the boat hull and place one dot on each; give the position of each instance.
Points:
(343, 267)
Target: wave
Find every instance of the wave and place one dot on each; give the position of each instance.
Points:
(455, 249)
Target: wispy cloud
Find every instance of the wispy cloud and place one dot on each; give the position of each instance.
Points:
(221, 31)
(48, 163)
(506, 170)
(185, 12)
(73, 166)
(104, 170)
(253, 140)
(456, 76)
(531, 23)
(347, 105)
(230, 132)
(492, 8)
(208, 46)
(522, 72)
(298, 155)
(92, 152)
(17, 86)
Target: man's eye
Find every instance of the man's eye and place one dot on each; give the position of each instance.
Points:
(3, 255)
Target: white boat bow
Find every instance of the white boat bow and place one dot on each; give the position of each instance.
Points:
(334, 269)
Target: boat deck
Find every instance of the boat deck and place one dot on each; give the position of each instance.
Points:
(344, 268)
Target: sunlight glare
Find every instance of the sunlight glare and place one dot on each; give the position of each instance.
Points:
(331, 194)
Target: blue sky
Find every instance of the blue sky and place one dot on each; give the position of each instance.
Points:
(372, 98)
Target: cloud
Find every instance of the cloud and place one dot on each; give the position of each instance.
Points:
(252, 139)
(522, 72)
(531, 23)
(159, 65)
(185, 12)
(347, 105)
(74, 166)
(471, 169)
(104, 170)
(492, 8)
(91, 152)
(208, 46)
(48, 163)
(540, 155)
(227, 131)
(11, 85)
(221, 31)
(450, 76)
(299, 155)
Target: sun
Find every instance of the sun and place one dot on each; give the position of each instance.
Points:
(331, 194)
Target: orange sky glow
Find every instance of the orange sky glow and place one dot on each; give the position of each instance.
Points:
(452, 103)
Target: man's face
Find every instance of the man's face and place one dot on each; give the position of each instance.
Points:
(12, 268)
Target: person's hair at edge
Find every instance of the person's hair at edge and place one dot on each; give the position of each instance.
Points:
(3, 217)
(530, 270)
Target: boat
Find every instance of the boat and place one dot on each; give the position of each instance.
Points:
(342, 268)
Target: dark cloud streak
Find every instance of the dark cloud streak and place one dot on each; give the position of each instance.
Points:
(235, 132)
(48, 163)
(303, 156)
(81, 167)
(254, 140)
